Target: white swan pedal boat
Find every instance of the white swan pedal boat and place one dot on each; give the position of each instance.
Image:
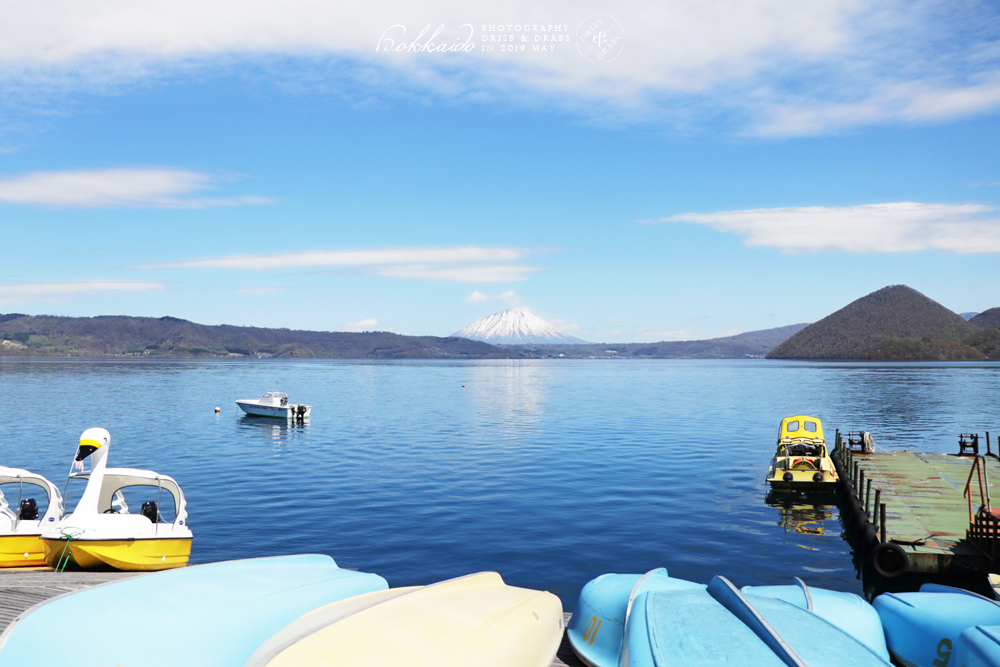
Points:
(21, 525)
(274, 404)
(101, 531)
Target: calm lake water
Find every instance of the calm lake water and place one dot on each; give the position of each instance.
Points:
(549, 472)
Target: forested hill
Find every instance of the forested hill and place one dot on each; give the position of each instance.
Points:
(43, 335)
(741, 346)
(895, 323)
(172, 337)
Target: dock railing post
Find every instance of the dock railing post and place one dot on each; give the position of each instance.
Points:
(881, 521)
(861, 484)
(875, 511)
(868, 497)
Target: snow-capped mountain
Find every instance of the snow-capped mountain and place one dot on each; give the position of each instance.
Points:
(516, 326)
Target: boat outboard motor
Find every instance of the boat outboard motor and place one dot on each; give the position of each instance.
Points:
(27, 510)
(149, 510)
(301, 409)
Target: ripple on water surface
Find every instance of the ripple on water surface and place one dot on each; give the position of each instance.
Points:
(550, 472)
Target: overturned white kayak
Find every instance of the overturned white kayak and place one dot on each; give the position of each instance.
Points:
(274, 404)
(471, 620)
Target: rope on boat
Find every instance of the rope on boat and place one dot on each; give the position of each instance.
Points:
(70, 534)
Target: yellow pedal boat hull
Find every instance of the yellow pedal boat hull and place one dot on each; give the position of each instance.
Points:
(473, 620)
(21, 551)
(135, 554)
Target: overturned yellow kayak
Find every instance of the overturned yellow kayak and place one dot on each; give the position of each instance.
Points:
(471, 620)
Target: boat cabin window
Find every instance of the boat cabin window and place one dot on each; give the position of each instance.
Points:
(144, 500)
(19, 495)
(792, 427)
(810, 426)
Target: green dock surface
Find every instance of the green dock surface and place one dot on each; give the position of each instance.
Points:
(926, 513)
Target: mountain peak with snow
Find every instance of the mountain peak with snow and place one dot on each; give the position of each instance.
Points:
(515, 326)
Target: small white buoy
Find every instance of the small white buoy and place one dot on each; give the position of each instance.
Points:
(217, 410)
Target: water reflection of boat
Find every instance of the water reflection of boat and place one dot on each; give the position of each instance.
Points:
(799, 517)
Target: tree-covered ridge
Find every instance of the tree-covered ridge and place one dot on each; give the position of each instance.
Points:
(895, 323)
(43, 335)
(172, 337)
(988, 319)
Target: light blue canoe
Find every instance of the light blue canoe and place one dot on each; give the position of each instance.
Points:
(925, 628)
(213, 615)
(658, 620)
(847, 611)
(597, 626)
(978, 646)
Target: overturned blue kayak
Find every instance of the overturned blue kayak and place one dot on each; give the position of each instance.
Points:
(847, 611)
(654, 619)
(928, 627)
(214, 615)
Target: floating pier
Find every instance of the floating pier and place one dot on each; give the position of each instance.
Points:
(919, 512)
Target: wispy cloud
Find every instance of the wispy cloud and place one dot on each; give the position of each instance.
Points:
(363, 325)
(261, 290)
(510, 296)
(161, 187)
(889, 228)
(460, 263)
(21, 292)
(770, 66)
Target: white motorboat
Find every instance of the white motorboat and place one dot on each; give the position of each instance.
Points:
(274, 404)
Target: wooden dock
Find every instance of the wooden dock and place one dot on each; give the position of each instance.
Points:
(23, 588)
(909, 509)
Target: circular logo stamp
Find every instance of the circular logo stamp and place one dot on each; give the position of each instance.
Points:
(600, 38)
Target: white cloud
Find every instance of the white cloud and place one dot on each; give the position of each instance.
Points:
(486, 273)
(19, 293)
(261, 290)
(364, 325)
(912, 102)
(459, 263)
(510, 296)
(825, 64)
(891, 227)
(375, 256)
(112, 188)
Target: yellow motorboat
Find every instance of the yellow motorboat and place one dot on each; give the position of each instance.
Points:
(802, 461)
(101, 532)
(21, 525)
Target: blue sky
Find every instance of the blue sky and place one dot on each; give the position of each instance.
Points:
(682, 171)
